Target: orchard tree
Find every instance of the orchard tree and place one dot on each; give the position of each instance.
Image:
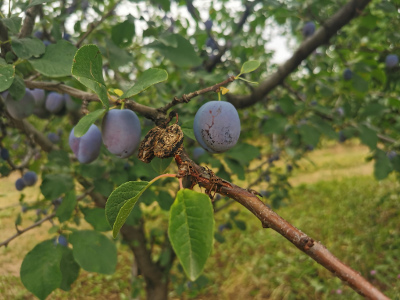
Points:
(123, 106)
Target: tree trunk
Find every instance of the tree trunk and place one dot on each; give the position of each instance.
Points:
(157, 290)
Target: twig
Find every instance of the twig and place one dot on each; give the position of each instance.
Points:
(92, 26)
(21, 231)
(36, 224)
(187, 97)
(29, 21)
(5, 42)
(269, 219)
(349, 11)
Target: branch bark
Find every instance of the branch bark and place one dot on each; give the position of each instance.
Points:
(29, 21)
(349, 11)
(269, 219)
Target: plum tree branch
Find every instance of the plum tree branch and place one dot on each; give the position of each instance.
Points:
(29, 21)
(349, 11)
(38, 223)
(270, 219)
(94, 25)
(187, 97)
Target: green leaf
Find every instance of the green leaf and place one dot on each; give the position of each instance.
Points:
(236, 168)
(191, 230)
(382, 166)
(147, 79)
(27, 47)
(67, 206)
(359, 83)
(183, 55)
(368, 137)
(309, 134)
(87, 68)
(121, 202)
(103, 186)
(243, 153)
(187, 128)
(93, 251)
(123, 33)
(37, 2)
(249, 66)
(165, 200)
(117, 57)
(84, 124)
(7, 73)
(69, 269)
(56, 61)
(274, 125)
(40, 270)
(97, 218)
(58, 158)
(13, 24)
(54, 185)
(17, 88)
(160, 164)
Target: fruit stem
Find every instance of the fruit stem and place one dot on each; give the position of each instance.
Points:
(161, 176)
(123, 105)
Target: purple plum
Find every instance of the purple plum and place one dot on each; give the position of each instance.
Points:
(87, 147)
(55, 102)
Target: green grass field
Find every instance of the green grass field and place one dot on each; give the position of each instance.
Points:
(335, 200)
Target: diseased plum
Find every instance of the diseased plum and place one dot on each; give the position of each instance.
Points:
(55, 102)
(19, 184)
(308, 29)
(20, 109)
(87, 147)
(30, 178)
(121, 132)
(217, 126)
(391, 61)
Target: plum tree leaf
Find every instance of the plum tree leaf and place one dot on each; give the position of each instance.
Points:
(123, 33)
(13, 24)
(191, 230)
(40, 270)
(93, 251)
(187, 128)
(69, 269)
(87, 68)
(7, 73)
(249, 66)
(382, 166)
(27, 47)
(17, 88)
(56, 61)
(147, 79)
(84, 123)
(97, 218)
(160, 164)
(54, 185)
(368, 137)
(121, 202)
(183, 54)
(67, 206)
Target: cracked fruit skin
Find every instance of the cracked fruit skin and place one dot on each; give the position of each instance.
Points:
(121, 132)
(217, 126)
(87, 147)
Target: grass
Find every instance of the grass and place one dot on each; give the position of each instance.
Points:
(335, 200)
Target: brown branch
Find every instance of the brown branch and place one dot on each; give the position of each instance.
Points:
(5, 42)
(146, 111)
(349, 11)
(92, 26)
(36, 224)
(29, 21)
(269, 219)
(19, 232)
(187, 97)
